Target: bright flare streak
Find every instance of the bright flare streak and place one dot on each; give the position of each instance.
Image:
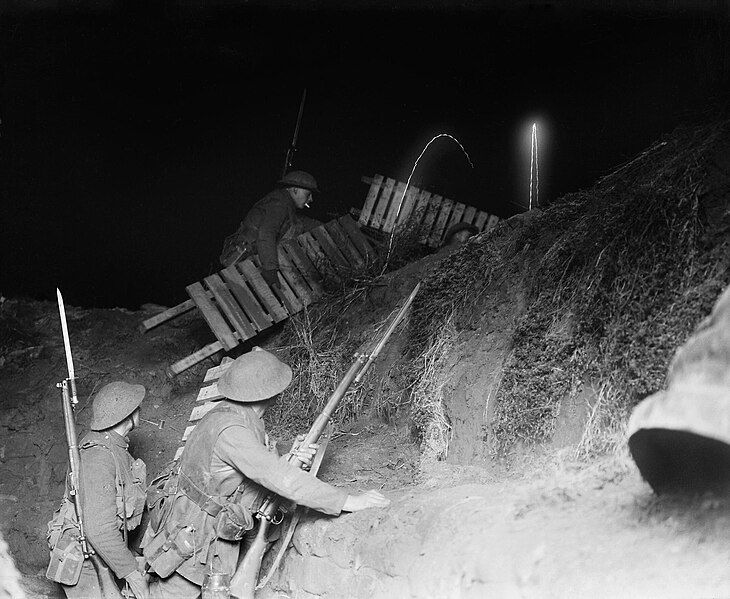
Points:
(534, 167)
(408, 182)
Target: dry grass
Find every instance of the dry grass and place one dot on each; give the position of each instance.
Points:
(428, 413)
(320, 344)
(616, 276)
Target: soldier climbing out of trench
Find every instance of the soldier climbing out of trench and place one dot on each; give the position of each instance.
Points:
(205, 509)
(112, 490)
(270, 220)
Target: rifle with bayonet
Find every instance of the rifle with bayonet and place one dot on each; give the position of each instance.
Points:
(293, 146)
(243, 584)
(70, 400)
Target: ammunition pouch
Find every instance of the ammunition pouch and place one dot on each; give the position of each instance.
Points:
(161, 495)
(209, 504)
(167, 551)
(233, 522)
(67, 556)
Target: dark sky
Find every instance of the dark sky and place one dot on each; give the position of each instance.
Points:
(133, 140)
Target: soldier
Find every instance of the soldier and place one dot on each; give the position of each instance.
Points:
(225, 471)
(270, 219)
(112, 490)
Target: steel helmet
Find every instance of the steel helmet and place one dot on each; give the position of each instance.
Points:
(254, 376)
(299, 179)
(114, 402)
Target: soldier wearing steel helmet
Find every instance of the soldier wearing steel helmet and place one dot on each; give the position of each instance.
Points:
(112, 490)
(225, 472)
(269, 220)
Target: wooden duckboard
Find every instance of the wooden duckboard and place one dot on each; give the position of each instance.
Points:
(390, 205)
(237, 303)
(206, 399)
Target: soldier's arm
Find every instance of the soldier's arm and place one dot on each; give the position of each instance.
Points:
(239, 448)
(98, 484)
(271, 223)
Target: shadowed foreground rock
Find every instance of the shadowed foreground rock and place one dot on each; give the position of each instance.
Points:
(9, 576)
(680, 437)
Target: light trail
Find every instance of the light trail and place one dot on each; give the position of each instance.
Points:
(534, 183)
(408, 182)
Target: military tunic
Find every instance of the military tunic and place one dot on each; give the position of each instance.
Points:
(267, 223)
(226, 453)
(108, 474)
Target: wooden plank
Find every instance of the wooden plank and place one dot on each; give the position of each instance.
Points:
(265, 295)
(369, 204)
(469, 215)
(491, 222)
(282, 292)
(329, 247)
(438, 229)
(194, 358)
(201, 410)
(217, 371)
(408, 204)
(376, 221)
(287, 297)
(344, 244)
(304, 264)
(214, 319)
(394, 207)
(209, 393)
(158, 319)
(423, 201)
(297, 283)
(456, 215)
(361, 243)
(186, 434)
(480, 220)
(315, 253)
(258, 316)
(429, 218)
(230, 308)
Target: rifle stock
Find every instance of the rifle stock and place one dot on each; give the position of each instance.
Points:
(243, 583)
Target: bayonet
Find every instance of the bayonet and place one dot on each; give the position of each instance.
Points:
(67, 347)
(109, 588)
(293, 147)
(243, 583)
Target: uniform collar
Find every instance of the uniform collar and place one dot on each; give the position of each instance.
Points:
(111, 438)
(242, 408)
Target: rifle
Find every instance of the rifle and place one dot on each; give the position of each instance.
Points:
(293, 146)
(109, 587)
(243, 584)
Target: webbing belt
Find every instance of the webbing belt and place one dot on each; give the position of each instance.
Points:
(204, 501)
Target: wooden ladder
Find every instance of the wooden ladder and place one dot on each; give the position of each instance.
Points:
(386, 207)
(238, 304)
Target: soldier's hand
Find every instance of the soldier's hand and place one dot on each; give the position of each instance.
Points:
(304, 454)
(363, 501)
(138, 584)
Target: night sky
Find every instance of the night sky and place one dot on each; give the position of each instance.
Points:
(133, 140)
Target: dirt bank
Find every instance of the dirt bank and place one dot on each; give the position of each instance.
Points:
(495, 419)
(561, 532)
